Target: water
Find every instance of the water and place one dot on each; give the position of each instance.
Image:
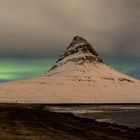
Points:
(121, 114)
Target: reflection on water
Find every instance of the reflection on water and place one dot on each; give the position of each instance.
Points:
(121, 114)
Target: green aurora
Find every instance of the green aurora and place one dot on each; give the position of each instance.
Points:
(14, 69)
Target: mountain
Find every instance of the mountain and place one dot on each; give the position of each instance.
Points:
(79, 76)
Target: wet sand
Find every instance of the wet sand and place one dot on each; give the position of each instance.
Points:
(33, 122)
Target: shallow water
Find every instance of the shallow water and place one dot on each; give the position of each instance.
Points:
(121, 114)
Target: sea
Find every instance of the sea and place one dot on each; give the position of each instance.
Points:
(128, 115)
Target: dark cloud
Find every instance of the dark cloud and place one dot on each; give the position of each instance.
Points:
(44, 28)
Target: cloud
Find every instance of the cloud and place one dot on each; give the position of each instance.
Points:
(45, 28)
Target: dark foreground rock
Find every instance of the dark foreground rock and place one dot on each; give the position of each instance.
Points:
(33, 122)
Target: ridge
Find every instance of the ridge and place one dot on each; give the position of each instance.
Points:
(81, 50)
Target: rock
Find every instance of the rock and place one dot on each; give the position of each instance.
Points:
(79, 46)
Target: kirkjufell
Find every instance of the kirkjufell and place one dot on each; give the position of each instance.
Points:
(79, 76)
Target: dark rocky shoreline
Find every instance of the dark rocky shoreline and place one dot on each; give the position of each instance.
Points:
(33, 122)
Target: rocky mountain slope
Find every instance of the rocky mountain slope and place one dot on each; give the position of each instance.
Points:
(79, 76)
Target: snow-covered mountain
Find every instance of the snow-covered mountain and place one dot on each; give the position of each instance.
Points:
(79, 76)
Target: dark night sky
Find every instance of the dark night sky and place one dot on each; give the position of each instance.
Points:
(38, 31)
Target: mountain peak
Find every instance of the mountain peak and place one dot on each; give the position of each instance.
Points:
(79, 51)
(78, 39)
